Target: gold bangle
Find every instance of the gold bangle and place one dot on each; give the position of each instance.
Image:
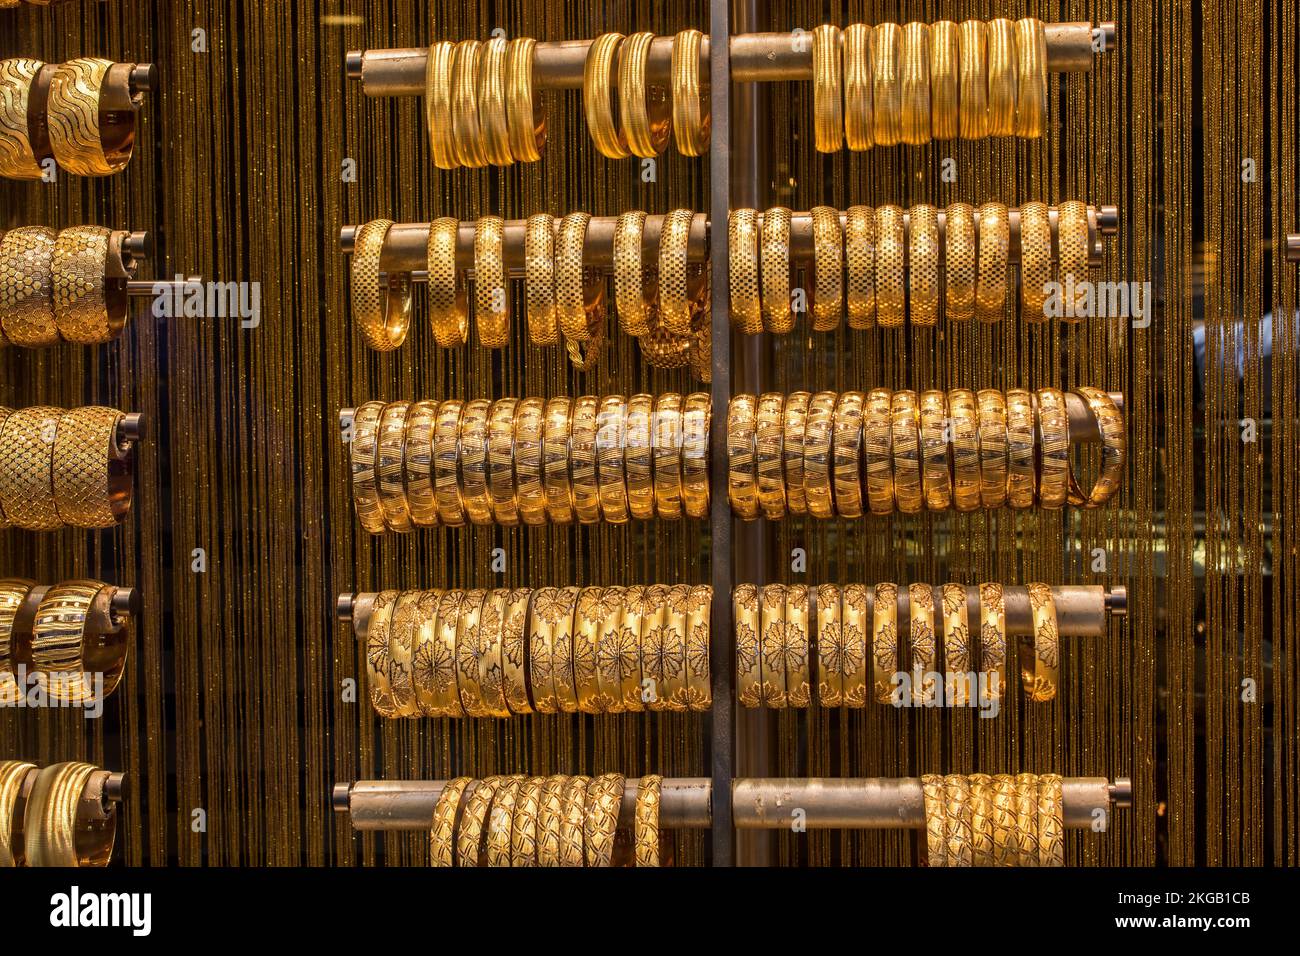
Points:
(381, 310)
(668, 456)
(769, 432)
(638, 461)
(964, 425)
(514, 637)
(634, 306)
(886, 83)
(749, 674)
(470, 833)
(379, 655)
(92, 478)
(654, 639)
(905, 440)
(604, 800)
(390, 466)
(993, 639)
(994, 248)
(539, 280)
(957, 821)
(914, 84)
(961, 262)
(1114, 449)
(424, 654)
(772, 646)
(1053, 449)
(742, 256)
(692, 120)
(992, 447)
(973, 85)
(611, 643)
(500, 818)
(597, 96)
(792, 450)
(646, 820)
(860, 256)
(67, 645)
(490, 90)
(696, 423)
(923, 266)
(921, 640)
(489, 650)
(579, 300)
(794, 647)
(501, 462)
(833, 656)
(981, 819)
(828, 104)
(1004, 820)
(828, 269)
(468, 136)
(1022, 471)
(550, 815)
(858, 118)
(401, 650)
(4, 417)
(446, 464)
(555, 460)
(437, 105)
(27, 468)
(1051, 824)
(421, 498)
(673, 650)
(877, 451)
(548, 609)
(674, 299)
(636, 607)
(818, 440)
(945, 60)
(699, 688)
(1040, 656)
(584, 483)
(13, 778)
(446, 695)
(847, 454)
(27, 315)
(1035, 260)
(1031, 65)
(530, 489)
(86, 311)
(778, 318)
(448, 308)
(956, 647)
(13, 593)
(18, 159)
(469, 632)
(1026, 810)
(588, 615)
(891, 267)
(936, 839)
(491, 284)
(364, 452)
(1073, 253)
(525, 114)
(856, 633)
(645, 111)
(662, 349)
(474, 461)
(566, 695)
(936, 471)
(51, 833)
(1003, 88)
(74, 111)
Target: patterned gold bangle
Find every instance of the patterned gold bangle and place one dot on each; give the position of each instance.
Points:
(588, 615)
(491, 93)
(437, 105)
(877, 451)
(446, 695)
(692, 120)
(424, 654)
(981, 819)
(887, 83)
(674, 299)
(964, 426)
(467, 133)
(772, 646)
(778, 318)
(945, 65)
(13, 779)
(992, 447)
(828, 103)
(566, 694)
(819, 437)
(379, 655)
(401, 651)
(381, 310)
(855, 628)
(646, 820)
(500, 818)
(847, 454)
(936, 470)
(550, 815)
(1051, 823)
(4, 417)
(27, 468)
(13, 593)
(570, 280)
(555, 460)
(749, 674)
(699, 688)
(1114, 449)
(92, 479)
(1035, 260)
(471, 833)
(1003, 820)
(27, 287)
(921, 640)
(923, 252)
(390, 461)
(994, 249)
(1022, 469)
(501, 462)
(51, 833)
(859, 122)
(74, 113)
(957, 820)
(469, 638)
(1031, 67)
(530, 490)
(1003, 79)
(630, 299)
(914, 84)
(85, 311)
(831, 649)
(993, 639)
(673, 650)
(525, 113)
(860, 256)
(491, 283)
(792, 450)
(446, 464)
(696, 425)
(514, 673)
(645, 111)
(539, 280)
(421, 498)
(364, 452)
(1054, 449)
(637, 605)
(936, 839)
(66, 646)
(474, 461)
(638, 461)
(795, 647)
(1026, 813)
(547, 610)
(611, 439)
(742, 255)
(905, 439)
(891, 267)
(957, 657)
(961, 262)
(584, 483)
(654, 638)
(1073, 254)
(828, 269)
(973, 84)
(610, 643)
(1040, 656)
(448, 308)
(668, 456)
(604, 800)
(769, 432)
(18, 160)
(598, 94)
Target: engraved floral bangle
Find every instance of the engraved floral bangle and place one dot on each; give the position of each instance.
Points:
(555, 460)
(668, 455)
(530, 493)
(364, 451)
(470, 833)
(1035, 260)
(921, 639)
(973, 85)
(905, 437)
(548, 609)
(770, 433)
(1051, 825)
(956, 645)
(585, 485)
(539, 280)
(525, 114)
(672, 651)
(424, 653)
(18, 160)
(645, 111)
(491, 283)
(831, 659)
(401, 647)
(1004, 820)
(936, 471)
(500, 818)
(699, 689)
(514, 637)
(778, 317)
(993, 640)
(379, 659)
(891, 267)
(1073, 254)
(691, 117)
(795, 651)
(1031, 67)
(877, 452)
(381, 310)
(464, 103)
(856, 649)
(860, 259)
(630, 299)
(418, 454)
(914, 84)
(847, 454)
(817, 455)
(1054, 449)
(696, 424)
(749, 677)
(390, 467)
(981, 819)
(442, 836)
(742, 255)
(742, 471)
(828, 269)
(945, 60)
(610, 642)
(490, 91)
(994, 248)
(448, 309)
(437, 105)
(772, 645)
(550, 815)
(992, 412)
(1026, 811)
(586, 640)
(469, 644)
(638, 460)
(1040, 656)
(674, 269)
(566, 695)
(957, 820)
(1114, 449)
(646, 820)
(598, 96)
(490, 653)
(886, 83)
(964, 426)
(1003, 79)
(936, 839)
(446, 695)
(635, 604)
(474, 461)
(654, 638)
(796, 422)
(828, 104)
(611, 439)
(604, 800)
(1022, 471)
(961, 262)
(923, 254)
(858, 119)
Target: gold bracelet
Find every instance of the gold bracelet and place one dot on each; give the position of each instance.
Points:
(819, 437)
(673, 650)
(973, 84)
(945, 65)
(1004, 820)
(13, 778)
(448, 308)
(692, 120)
(598, 95)
(390, 466)
(530, 490)
(421, 498)
(611, 439)
(699, 610)
(792, 449)
(905, 440)
(588, 615)
(491, 93)
(85, 310)
(936, 839)
(4, 417)
(467, 133)
(547, 611)
(847, 454)
(500, 818)
(646, 820)
(828, 269)
(749, 675)
(981, 819)
(674, 263)
(27, 468)
(424, 654)
(555, 460)
(994, 249)
(67, 645)
(922, 642)
(579, 294)
(13, 593)
(833, 655)
(936, 470)
(381, 310)
(828, 104)
(446, 696)
(470, 834)
(1040, 658)
(364, 452)
(27, 315)
(877, 451)
(491, 283)
(992, 410)
(662, 349)
(993, 639)
(1053, 449)
(1073, 253)
(769, 432)
(470, 644)
(612, 643)
(638, 462)
(891, 267)
(514, 637)
(668, 456)
(636, 606)
(1114, 449)
(604, 800)
(961, 262)
(655, 640)
(957, 821)
(1022, 469)
(566, 694)
(886, 83)
(964, 424)
(742, 257)
(1026, 808)
(550, 815)
(956, 647)
(742, 456)
(696, 424)
(772, 646)
(923, 266)
(446, 464)
(860, 255)
(914, 84)
(1035, 260)
(858, 119)
(501, 462)
(18, 159)
(525, 114)
(474, 461)
(634, 305)
(1051, 823)
(379, 655)
(51, 833)
(74, 109)
(856, 642)
(92, 483)
(778, 318)
(1031, 65)
(795, 653)
(401, 650)
(1003, 88)
(437, 105)
(645, 111)
(539, 280)
(584, 483)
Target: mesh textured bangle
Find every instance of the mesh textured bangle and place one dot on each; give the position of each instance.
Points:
(448, 310)
(956, 820)
(973, 85)
(831, 658)
(963, 417)
(777, 315)
(17, 158)
(961, 262)
(1031, 67)
(84, 310)
(638, 457)
(742, 468)
(1022, 471)
(1051, 825)
(491, 284)
(877, 448)
(771, 656)
(936, 844)
(73, 111)
(885, 644)
(1054, 449)
(817, 443)
(1114, 449)
(1003, 79)
(646, 821)
(957, 657)
(467, 134)
(27, 315)
(859, 122)
(525, 114)
(390, 467)
(696, 422)
(473, 461)
(914, 84)
(530, 491)
(770, 432)
(828, 103)
(936, 470)
(886, 83)
(446, 464)
(491, 93)
(891, 267)
(1040, 656)
(674, 269)
(1073, 254)
(437, 105)
(611, 440)
(828, 269)
(555, 460)
(668, 455)
(945, 60)
(646, 112)
(539, 279)
(598, 94)
(379, 658)
(795, 425)
(905, 439)
(742, 256)
(847, 454)
(860, 256)
(446, 695)
(994, 250)
(923, 253)
(691, 117)
(630, 299)
(501, 462)
(51, 833)
(993, 639)
(992, 409)
(90, 481)
(1035, 260)
(584, 483)
(794, 648)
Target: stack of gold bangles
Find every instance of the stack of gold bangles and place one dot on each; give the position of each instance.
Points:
(891, 84)
(846, 644)
(501, 653)
(55, 287)
(50, 808)
(847, 454)
(87, 135)
(8, 4)
(886, 266)
(998, 820)
(544, 821)
(63, 468)
(530, 461)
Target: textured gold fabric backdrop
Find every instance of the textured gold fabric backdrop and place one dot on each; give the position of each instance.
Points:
(233, 699)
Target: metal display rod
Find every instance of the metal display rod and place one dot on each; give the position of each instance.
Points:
(848, 803)
(755, 58)
(1293, 247)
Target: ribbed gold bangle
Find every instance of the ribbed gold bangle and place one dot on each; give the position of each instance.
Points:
(769, 431)
(379, 655)
(1073, 254)
(1003, 78)
(963, 423)
(51, 832)
(469, 639)
(555, 460)
(945, 66)
(645, 111)
(1004, 820)
(847, 454)
(860, 258)
(437, 105)
(27, 468)
(891, 267)
(778, 318)
(992, 411)
(530, 491)
(73, 110)
(448, 309)
(1035, 260)
(17, 158)
(1054, 449)
(936, 839)
(923, 257)
(390, 467)
(1022, 470)
(446, 695)
(1026, 814)
(981, 819)
(638, 460)
(91, 474)
(85, 311)
(539, 279)
(1051, 823)
(859, 121)
(957, 656)
(401, 650)
(819, 438)
(957, 820)
(828, 269)
(905, 438)
(1114, 449)
(501, 462)
(832, 658)
(699, 688)
(674, 297)
(525, 113)
(994, 248)
(1040, 656)
(936, 468)
(500, 818)
(27, 287)
(13, 778)
(887, 83)
(749, 675)
(636, 606)
(491, 94)
(446, 464)
(993, 640)
(973, 86)
(588, 616)
(604, 800)
(66, 646)
(654, 639)
(742, 256)
(772, 645)
(418, 452)
(828, 102)
(474, 461)
(885, 644)
(921, 641)
(668, 456)
(795, 649)
(692, 120)
(792, 450)
(630, 299)
(424, 654)
(696, 425)
(1031, 69)
(914, 84)
(363, 453)
(646, 820)
(673, 650)
(491, 283)
(584, 482)
(468, 135)
(877, 452)
(471, 832)
(550, 815)
(611, 441)
(13, 592)
(961, 262)
(598, 96)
